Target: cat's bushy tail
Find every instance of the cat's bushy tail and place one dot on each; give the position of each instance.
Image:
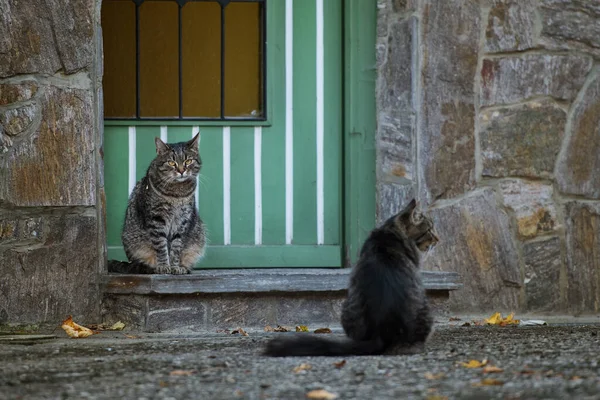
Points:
(305, 345)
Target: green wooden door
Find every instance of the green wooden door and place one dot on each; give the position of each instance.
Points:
(269, 191)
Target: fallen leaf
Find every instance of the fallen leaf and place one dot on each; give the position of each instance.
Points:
(474, 364)
(454, 319)
(489, 382)
(182, 372)
(269, 328)
(281, 329)
(320, 394)
(436, 397)
(466, 324)
(301, 328)
(527, 371)
(132, 336)
(532, 322)
(117, 326)
(433, 377)
(496, 319)
(576, 378)
(302, 367)
(240, 331)
(75, 330)
(491, 369)
(323, 330)
(340, 364)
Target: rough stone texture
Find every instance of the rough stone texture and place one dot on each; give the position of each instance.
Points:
(46, 36)
(396, 121)
(316, 309)
(239, 310)
(583, 257)
(392, 198)
(513, 79)
(18, 120)
(578, 166)
(543, 261)
(510, 26)
(571, 24)
(523, 140)
(17, 92)
(533, 206)
(45, 167)
(48, 265)
(129, 309)
(175, 313)
(450, 38)
(475, 241)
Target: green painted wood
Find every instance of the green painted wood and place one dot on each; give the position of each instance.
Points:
(332, 10)
(116, 164)
(190, 122)
(305, 114)
(145, 148)
(242, 185)
(260, 256)
(176, 134)
(273, 137)
(360, 19)
(211, 183)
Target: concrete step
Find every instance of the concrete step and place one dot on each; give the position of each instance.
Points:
(251, 298)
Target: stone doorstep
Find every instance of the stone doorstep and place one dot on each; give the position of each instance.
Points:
(253, 298)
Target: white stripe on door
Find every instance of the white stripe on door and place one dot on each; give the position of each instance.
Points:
(195, 130)
(289, 122)
(226, 185)
(163, 134)
(132, 167)
(257, 185)
(320, 125)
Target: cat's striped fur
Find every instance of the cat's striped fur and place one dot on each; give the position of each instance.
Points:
(163, 233)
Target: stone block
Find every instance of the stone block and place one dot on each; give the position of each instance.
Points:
(54, 164)
(510, 26)
(176, 313)
(17, 92)
(45, 37)
(306, 308)
(50, 274)
(450, 46)
(579, 163)
(543, 261)
(533, 206)
(583, 257)
(17, 120)
(15, 231)
(512, 79)
(230, 311)
(522, 140)
(391, 198)
(475, 241)
(129, 309)
(571, 25)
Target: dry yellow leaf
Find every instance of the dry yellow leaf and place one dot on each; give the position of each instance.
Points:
(433, 377)
(281, 329)
(491, 368)
(320, 394)
(489, 382)
(75, 330)
(340, 364)
(474, 364)
(301, 328)
(269, 328)
(117, 326)
(323, 330)
(496, 319)
(240, 331)
(302, 367)
(182, 372)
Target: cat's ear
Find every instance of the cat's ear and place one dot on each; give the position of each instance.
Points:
(193, 144)
(161, 146)
(411, 211)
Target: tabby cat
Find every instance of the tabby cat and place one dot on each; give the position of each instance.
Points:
(386, 311)
(163, 233)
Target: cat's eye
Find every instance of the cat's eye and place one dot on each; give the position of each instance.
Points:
(171, 163)
(188, 162)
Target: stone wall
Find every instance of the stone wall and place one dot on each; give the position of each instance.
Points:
(51, 229)
(489, 114)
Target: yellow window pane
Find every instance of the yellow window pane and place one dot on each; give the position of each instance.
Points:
(201, 58)
(118, 27)
(243, 75)
(159, 59)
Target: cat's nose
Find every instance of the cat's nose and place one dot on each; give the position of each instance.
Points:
(180, 170)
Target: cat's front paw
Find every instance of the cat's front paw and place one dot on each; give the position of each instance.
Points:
(180, 271)
(163, 269)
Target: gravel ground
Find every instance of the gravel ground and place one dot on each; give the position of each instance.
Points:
(544, 362)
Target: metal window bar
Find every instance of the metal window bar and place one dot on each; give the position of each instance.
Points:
(263, 54)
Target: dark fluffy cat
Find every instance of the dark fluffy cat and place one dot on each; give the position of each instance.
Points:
(163, 233)
(386, 311)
